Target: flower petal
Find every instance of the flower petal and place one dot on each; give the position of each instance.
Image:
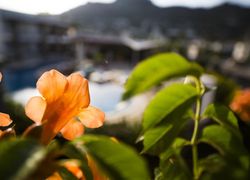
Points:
(96, 171)
(51, 85)
(60, 112)
(72, 130)
(74, 167)
(5, 119)
(77, 92)
(91, 117)
(35, 108)
(55, 176)
(1, 76)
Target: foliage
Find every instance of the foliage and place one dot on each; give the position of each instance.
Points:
(27, 159)
(153, 71)
(172, 110)
(53, 147)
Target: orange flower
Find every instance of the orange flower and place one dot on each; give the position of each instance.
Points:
(4, 121)
(97, 174)
(73, 166)
(64, 106)
(55, 176)
(4, 118)
(241, 104)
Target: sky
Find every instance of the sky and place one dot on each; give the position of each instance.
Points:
(59, 6)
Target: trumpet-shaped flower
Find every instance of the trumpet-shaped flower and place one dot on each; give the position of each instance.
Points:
(241, 104)
(64, 106)
(74, 167)
(4, 118)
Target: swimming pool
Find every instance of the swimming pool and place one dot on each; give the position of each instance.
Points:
(104, 96)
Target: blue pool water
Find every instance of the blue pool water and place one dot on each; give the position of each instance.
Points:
(103, 96)
(21, 84)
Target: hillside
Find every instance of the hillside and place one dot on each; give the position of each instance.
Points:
(141, 16)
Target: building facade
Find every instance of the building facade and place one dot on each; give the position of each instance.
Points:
(32, 43)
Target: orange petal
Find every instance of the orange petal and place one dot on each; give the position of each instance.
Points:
(72, 130)
(74, 167)
(1, 76)
(96, 172)
(35, 108)
(55, 176)
(91, 117)
(5, 119)
(51, 85)
(77, 92)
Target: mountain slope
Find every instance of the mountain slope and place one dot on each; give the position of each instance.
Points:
(222, 22)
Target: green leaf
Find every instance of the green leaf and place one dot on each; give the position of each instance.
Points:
(166, 101)
(118, 160)
(175, 148)
(160, 138)
(166, 115)
(154, 135)
(174, 168)
(66, 174)
(213, 163)
(175, 171)
(158, 68)
(216, 166)
(223, 140)
(172, 165)
(19, 158)
(222, 115)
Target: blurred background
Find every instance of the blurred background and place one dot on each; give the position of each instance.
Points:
(105, 39)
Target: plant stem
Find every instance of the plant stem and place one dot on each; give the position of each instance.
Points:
(195, 132)
(194, 139)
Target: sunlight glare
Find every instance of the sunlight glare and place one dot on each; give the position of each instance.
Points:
(44, 6)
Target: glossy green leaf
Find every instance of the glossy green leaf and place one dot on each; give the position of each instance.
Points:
(213, 163)
(167, 101)
(118, 160)
(175, 148)
(173, 168)
(222, 115)
(216, 166)
(160, 138)
(175, 171)
(232, 160)
(172, 165)
(156, 69)
(154, 135)
(171, 162)
(223, 140)
(20, 158)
